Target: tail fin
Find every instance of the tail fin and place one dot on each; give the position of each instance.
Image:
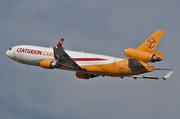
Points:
(145, 52)
(152, 41)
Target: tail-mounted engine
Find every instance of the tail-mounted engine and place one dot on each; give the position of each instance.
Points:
(48, 64)
(145, 56)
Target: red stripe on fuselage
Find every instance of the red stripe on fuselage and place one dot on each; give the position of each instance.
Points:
(82, 59)
(88, 59)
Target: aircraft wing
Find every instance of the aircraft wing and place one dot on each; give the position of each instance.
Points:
(153, 77)
(134, 64)
(62, 58)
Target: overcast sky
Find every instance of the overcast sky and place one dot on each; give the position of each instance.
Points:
(97, 26)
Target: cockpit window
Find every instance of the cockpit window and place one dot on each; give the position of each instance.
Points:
(10, 48)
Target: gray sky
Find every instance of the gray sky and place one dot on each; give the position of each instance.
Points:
(96, 26)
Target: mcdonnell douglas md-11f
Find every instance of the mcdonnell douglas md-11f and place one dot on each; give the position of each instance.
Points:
(88, 65)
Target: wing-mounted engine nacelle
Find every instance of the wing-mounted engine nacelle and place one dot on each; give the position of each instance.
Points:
(85, 75)
(48, 64)
(145, 56)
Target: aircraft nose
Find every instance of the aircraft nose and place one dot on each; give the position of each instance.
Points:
(9, 53)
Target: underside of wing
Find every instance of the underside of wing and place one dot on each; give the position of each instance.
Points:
(134, 64)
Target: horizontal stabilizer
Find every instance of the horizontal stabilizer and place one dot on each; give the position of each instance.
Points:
(168, 75)
(161, 69)
(153, 77)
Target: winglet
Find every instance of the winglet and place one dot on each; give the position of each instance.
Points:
(60, 42)
(168, 75)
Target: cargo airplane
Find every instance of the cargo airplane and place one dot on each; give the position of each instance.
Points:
(88, 65)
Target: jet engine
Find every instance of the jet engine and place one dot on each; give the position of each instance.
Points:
(85, 75)
(48, 64)
(145, 56)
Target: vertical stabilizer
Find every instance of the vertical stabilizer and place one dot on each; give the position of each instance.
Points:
(152, 41)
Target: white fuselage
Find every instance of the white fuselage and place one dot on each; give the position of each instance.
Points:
(32, 55)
